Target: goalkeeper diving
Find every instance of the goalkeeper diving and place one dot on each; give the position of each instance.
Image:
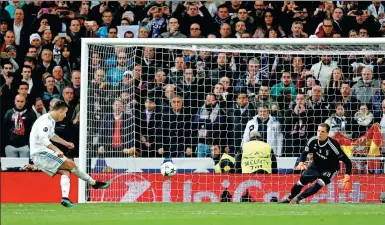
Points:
(325, 165)
(50, 159)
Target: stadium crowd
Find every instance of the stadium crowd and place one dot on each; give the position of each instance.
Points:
(157, 102)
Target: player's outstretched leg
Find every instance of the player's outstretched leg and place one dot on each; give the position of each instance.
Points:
(70, 165)
(309, 191)
(295, 190)
(65, 188)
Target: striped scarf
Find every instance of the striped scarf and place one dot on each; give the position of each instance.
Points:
(19, 122)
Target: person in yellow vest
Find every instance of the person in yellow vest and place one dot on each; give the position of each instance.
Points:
(257, 156)
(225, 162)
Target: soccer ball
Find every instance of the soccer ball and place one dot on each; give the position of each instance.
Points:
(168, 169)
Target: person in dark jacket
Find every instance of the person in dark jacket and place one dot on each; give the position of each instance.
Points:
(17, 126)
(238, 116)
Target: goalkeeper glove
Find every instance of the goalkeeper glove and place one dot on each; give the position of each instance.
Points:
(301, 166)
(346, 182)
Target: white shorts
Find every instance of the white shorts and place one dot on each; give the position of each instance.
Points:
(47, 161)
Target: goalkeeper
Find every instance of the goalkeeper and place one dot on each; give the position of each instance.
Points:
(326, 156)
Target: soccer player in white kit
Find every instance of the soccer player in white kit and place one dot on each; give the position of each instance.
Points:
(50, 159)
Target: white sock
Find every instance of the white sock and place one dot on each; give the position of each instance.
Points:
(65, 186)
(82, 175)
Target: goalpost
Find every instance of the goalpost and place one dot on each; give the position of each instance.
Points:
(122, 78)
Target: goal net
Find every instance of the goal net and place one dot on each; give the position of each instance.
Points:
(197, 102)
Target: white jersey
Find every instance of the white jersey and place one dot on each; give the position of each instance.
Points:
(42, 131)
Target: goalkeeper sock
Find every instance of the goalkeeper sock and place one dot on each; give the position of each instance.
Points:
(82, 175)
(295, 190)
(65, 186)
(310, 191)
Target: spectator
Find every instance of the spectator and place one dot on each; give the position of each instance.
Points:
(225, 31)
(240, 28)
(285, 86)
(58, 47)
(269, 22)
(144, 32)
(157, 21)
(107, 21)
(129, 34)
(3, 29)
(173, 30)
(112, 32)
(363, 33)
(47, 64)
(147, 122)
(310, 83)
(175, 130)
(243, 16)
(115, 75)
(263, 97)
(23, 91)
(353, 34)
(362, 19)
(50, 90)
(20, 30)
(35, 40)
(223, 69)
(326, 30)
(222, 17)
(35, 89)
(318, 110)
(75, 83)
(9, 87)
(334, 87)
(268, 127)
(238, 116)
(295, 127)
(195, 31)
(323, 70)
(9, 39)
(377, 100)
(46, 38)
(17, 126)
(365, 88)
(114, 133)
(339, 123)
(67, 62)
(188, 13)
(349, 102)
(188, 87)
(377, 10)
(38, 108)
(364, 119)
(208, 126)
(60, 82)
(11, 54)
(297, 30)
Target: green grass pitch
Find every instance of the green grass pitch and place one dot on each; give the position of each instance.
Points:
(193, 213)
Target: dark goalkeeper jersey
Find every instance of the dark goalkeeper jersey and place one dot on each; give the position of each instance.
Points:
(326, 155)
